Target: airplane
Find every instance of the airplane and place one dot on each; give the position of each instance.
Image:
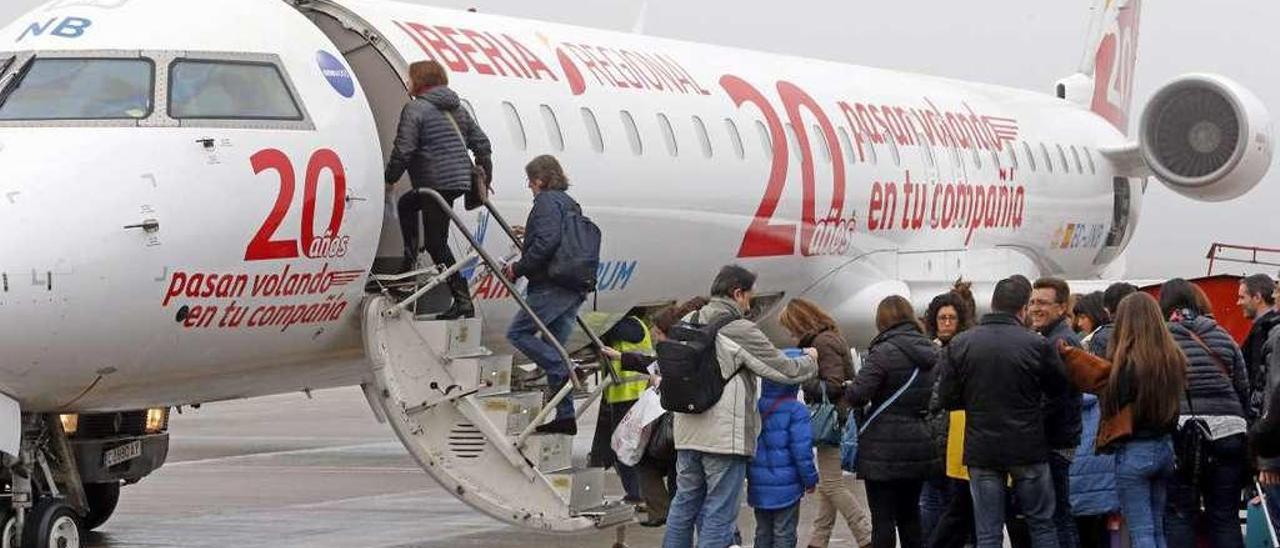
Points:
(192, 210)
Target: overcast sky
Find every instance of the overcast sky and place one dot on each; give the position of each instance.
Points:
(1010, 42)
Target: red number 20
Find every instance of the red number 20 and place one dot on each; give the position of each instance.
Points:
(262, 247)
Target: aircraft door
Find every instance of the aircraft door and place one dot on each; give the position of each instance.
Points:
(1124, 216)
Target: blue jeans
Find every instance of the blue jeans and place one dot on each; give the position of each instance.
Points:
(1219, 489)
(935, 497)
(1033, 486)
(1143, 467)
(1060, 472)
(708, 495)
(558, 309)
(777, 528)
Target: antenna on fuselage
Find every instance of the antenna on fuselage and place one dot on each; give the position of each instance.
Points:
(641, 19)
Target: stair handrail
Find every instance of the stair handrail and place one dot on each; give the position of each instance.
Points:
(596, 343)
(496, 269)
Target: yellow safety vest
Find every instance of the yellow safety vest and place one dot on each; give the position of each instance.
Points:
(630, 384)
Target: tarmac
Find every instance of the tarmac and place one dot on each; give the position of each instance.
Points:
(291, 472)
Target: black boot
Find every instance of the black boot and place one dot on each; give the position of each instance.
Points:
(410, 260)
(462, 306)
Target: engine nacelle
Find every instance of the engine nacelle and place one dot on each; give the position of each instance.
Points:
(1206, 137)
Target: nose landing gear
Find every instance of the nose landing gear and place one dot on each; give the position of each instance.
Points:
(44, 487)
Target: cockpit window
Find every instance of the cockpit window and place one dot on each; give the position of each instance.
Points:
(229, 90)
(79, 89)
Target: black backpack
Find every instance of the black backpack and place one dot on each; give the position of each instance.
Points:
(577, 258)
(690, 369)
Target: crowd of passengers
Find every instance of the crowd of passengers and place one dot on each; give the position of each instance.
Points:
(1058, 418)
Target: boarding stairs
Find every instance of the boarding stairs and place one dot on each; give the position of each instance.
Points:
(467, 415)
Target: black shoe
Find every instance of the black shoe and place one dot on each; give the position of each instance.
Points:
(462, 306)
(653, 523)
(559, 426)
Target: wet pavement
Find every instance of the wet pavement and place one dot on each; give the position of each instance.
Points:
(288, 471)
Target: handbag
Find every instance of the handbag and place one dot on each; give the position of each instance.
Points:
(824, 418)
(1191, 441)
(662, 440)
(480, 190)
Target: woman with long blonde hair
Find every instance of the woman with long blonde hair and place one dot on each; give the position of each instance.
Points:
(813, 327)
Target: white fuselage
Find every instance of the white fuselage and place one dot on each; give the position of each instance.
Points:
(832, 181)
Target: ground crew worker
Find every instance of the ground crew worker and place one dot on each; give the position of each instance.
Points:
(632, 335)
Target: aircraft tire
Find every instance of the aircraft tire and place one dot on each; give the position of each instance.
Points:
(52, 523)
(102, 499)
(9, 529)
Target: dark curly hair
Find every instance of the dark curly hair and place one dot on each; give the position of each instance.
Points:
(954, 300)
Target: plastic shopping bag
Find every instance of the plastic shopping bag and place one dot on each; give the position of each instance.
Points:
(632, 434)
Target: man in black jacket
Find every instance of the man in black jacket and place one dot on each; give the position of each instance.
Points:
(556, 306)
(1000, 374)
(1257, 301)
(1048, 311)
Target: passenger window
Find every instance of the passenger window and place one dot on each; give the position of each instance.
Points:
(843, 136)
(926, 151)
(995, 160)
(633, 133)
(766, 140)
(668, 134)
(229, 90)
(471, 111)
(1062, 155)
(1088, 155)
(1031, 157)
(871, 152)
(1075, 155)
(515, 125)
(893, 149)
(593, 130)
(818, 135)
(1044, 154)
(977, 158)
(703, 139)
(553, 128)
(795, 143)
(79, 89)
(735, 138)
(1013, 155)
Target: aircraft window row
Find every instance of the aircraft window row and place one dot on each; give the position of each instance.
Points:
(735, 138)
(228, 90)
(80, 89)
(554, 136)
(515, 125)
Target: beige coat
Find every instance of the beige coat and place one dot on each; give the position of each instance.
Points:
(731, 426)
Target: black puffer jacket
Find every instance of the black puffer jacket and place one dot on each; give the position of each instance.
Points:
(897, 445)
(428, 146)
(1000, 373)
(1062, 414)
(1255, 358)
(1214, 392)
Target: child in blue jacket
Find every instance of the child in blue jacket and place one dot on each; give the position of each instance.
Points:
(783, 468)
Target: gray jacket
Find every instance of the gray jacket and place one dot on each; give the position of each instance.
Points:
(430, 149)
(731, 426)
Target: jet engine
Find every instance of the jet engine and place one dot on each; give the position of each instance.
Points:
(1206, 137)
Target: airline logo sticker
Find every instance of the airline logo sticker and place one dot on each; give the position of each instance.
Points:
(336, 73)
(1078, 236)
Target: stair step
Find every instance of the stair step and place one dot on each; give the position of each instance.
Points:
(513, 411)
(550, 453)
(457, 338)
(581, 489)
(488, 375)
(611, 514)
